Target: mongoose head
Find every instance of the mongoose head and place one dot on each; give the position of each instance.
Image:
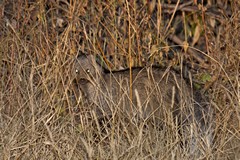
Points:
(87, 74)
(86, 69)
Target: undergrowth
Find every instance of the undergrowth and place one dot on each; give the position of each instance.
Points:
(40, 39)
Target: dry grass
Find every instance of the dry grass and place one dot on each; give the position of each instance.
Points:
(39, 40)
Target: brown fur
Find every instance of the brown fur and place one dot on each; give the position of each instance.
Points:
(154, 90)
(157, 93)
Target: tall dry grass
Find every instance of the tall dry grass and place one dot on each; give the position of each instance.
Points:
(39, 39)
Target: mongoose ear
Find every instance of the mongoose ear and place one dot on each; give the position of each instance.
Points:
(100, 60)
(95, 58)
(81, 53)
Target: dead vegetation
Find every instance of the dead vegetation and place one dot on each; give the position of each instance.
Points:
(39, 40)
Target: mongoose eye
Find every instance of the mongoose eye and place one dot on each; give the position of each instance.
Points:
(87, 70)
(76, 71)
